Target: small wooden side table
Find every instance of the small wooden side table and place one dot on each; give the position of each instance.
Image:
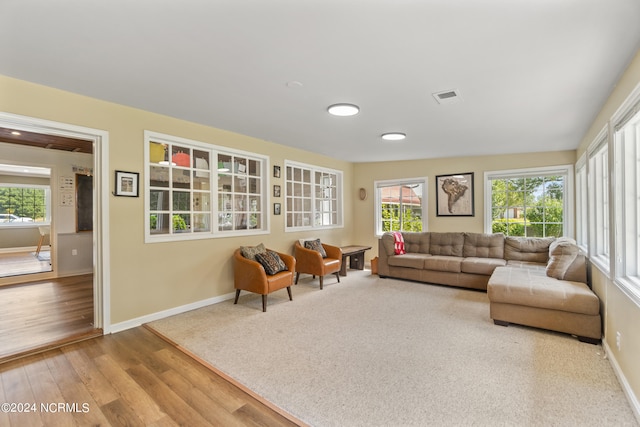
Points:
(356, 258)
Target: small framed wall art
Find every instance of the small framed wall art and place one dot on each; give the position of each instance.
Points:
(276, 171)
(276, 209)
(454, 194)
(127, 184)
(276, 191)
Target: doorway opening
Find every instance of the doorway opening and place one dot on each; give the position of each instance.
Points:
(50, 142)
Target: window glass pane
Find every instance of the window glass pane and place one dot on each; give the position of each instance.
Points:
(159, 223)
(159, 200)
(181, 178)
(181, 201)
(201, 202)
(181, 223)
(158, 153)
(159, 176)
(201, 222)
(180, 156)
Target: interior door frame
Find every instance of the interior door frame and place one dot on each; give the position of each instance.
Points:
(100, 140)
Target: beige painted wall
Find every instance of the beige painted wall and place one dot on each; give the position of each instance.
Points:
(621, 313)
(365, 174)
(149, 278)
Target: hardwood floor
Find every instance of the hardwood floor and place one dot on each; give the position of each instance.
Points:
(45, 314)
(131, 378)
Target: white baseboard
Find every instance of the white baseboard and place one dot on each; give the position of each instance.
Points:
(133, 323)
(628, 391)
(12, 250)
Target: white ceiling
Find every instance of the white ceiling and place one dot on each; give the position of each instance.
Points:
(532, 74)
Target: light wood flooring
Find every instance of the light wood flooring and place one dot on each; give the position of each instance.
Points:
(45, 314)
(131, 378)
(19, 263)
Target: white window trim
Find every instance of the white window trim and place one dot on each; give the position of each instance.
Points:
(391, 182)
(630, 285)
(564, 170)
(339, 200)
(214, 150)
(582, 204)
(603, 263)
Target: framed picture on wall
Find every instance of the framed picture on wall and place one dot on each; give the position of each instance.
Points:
(276, 171)
(454, 194)
(276, 209)
(127, 184)
(276, 191)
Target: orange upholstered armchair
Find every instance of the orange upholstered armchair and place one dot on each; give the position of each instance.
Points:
(310, 261)
(251, 276)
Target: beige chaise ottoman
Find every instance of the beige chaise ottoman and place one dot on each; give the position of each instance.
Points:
(529, 295)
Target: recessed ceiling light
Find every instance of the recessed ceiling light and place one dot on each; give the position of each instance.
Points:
(15, 132)
(394, 136)
(343, 110)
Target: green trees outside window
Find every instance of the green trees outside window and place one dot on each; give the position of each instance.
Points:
(528, 206)
(28, 204)
(401, 207)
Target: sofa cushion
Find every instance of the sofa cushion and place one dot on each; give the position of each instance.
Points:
(452, 264)
(449, 244)
(475, 265)
(417, 242)
(408, 260)
(565, 261)
(533, 288)
(527, 264)
(532, 249)
(483, 245)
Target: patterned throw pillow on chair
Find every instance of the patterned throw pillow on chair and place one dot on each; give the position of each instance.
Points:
(271, 262)
(316, 246)
(250, 252)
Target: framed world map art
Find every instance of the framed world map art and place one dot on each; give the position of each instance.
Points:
(454, 195)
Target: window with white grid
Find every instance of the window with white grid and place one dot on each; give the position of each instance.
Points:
(313, 197)
(196, 190)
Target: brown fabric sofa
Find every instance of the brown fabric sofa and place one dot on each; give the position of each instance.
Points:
(539, 282)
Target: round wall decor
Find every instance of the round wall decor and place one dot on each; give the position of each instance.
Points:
(363, 194)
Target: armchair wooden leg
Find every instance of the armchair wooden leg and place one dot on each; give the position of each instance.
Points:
(321, 282)
(289, 292)
(39, 245)
(297, 276)
(264, 303)
(237, 296)
(337, 273)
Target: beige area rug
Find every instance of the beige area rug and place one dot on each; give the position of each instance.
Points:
(383, 352)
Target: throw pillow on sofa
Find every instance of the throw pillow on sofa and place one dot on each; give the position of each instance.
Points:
(271, 262)
(562, 254)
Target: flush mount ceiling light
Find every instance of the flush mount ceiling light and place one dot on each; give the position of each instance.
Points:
(343, 110)
(394, 136)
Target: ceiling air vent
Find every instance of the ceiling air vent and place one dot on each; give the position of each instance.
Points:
(447, 96)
